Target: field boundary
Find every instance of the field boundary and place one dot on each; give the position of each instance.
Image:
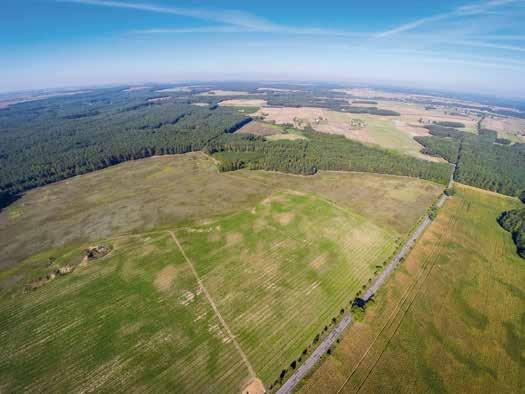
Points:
(214, 307)
(409, 296)
(290, 384)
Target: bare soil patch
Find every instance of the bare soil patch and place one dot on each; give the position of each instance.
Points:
(254, 387)
(319, 262)
(165, 278)
(285, 218)
(287, 137)
(243, 103)
(135, 88)
(259, 128)
(413, 129)
(220, 92)
(234, 238)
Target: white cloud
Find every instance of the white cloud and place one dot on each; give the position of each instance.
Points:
(235, 21)
(462, 11)
(233, 17)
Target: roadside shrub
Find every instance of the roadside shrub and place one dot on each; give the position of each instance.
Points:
(450, 191)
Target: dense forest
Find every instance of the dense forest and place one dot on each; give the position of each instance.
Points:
(320, 152)
(481, 160)
(44, 141)
(514, 222)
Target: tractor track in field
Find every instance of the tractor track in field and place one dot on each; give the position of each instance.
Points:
(214, 307)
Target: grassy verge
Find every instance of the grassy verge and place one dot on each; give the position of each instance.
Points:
(449, 319)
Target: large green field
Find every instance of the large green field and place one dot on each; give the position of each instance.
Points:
(212, 279)
(450, 320)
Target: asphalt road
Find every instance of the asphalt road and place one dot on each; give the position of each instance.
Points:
(323, 347)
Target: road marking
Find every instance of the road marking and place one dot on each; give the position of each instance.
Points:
(215, 309)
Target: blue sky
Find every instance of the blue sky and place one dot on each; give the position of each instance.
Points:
(453, 45)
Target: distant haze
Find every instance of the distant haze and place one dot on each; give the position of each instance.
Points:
(466, 46)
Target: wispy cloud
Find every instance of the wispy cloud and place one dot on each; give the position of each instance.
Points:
(489, 45)
(462, 11)
(235, 29)
(494, 62)
(231, 17)
(233, 21)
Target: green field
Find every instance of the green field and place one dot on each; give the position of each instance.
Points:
(287, 266)
(450, 320)
(385, 134)
(134, 320)
(278, 256)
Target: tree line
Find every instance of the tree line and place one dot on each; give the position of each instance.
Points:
(514, 222)
(481, 160)
(50, 140)
(320, 151)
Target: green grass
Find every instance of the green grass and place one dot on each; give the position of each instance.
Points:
(452, 321)
(279, 254)
(176, 190)
(110, 326)
(385, 134)
(247, 109)
(278, 274)
(132, 196)
(286, 267)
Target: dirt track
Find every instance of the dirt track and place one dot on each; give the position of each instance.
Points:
(215, 309)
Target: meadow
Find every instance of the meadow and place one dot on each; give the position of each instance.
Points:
(377, 130)
(279, 256)
(449, 320)
(169, 189)
(134, 320)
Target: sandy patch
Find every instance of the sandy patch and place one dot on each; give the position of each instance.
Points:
(187, 297)
(273, 198)
(323, 120)
(513, 126)
(285, 137)
(319, 262)
(218, 333)
(159, 99)
(243, 103)
(410, 128)
(234, 239)
(312, 287)
(132, 328)
(277, 90)
(164, 279)
(134, 88)
(175, 89)
(285, 218)
(220, 92)
(299, 117)
(255, 386)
